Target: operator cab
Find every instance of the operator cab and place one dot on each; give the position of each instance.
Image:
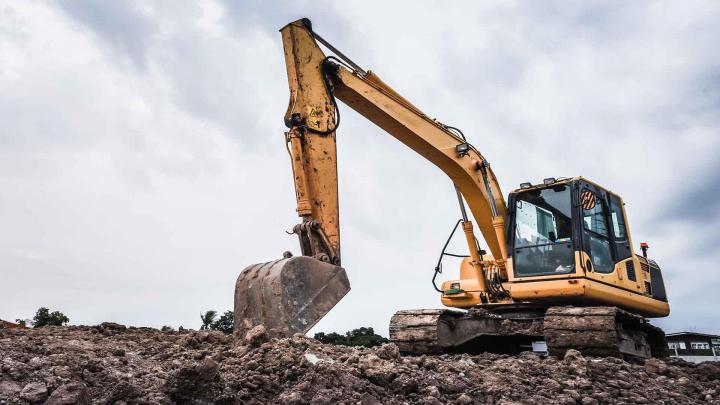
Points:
(575, 229)
(549, 222)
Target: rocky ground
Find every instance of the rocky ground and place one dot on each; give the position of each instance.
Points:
(111, 364)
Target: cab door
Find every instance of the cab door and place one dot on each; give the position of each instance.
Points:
(606, 240)
(596, 233)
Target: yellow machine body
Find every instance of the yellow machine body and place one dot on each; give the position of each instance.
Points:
(628, 284)
(578, 288)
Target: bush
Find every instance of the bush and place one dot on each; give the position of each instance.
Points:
(226, 323)
(365, 337)
(44, 317)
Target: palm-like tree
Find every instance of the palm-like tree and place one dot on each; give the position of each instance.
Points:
(207, 319)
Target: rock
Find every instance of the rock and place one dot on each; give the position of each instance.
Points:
(34, 392)
(122, 390)
(69, 394)
(430, 401)
(63, 372)
(15, 369)
(573, 356)
(113, 326)
(191, 382)
(257, 336)
(563, 399)
(406, 384)
(709, 369)
(577, 363)
(464, 399)
(379, 371)
(432, 391)
(291, 398)
(216, 337)
(656, 366)
(190, 341)
(312, 358)
(368, 399)
(37, 362)
(388, 351)
(9, 388)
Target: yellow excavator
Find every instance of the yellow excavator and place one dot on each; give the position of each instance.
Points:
(560, 267)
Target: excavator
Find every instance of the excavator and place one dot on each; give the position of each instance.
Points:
(560, 265)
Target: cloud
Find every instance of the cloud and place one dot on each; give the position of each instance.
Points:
(142, 160)
(127, 27)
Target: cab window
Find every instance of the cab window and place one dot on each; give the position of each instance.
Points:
(618, 220)
(622, 245)
(543, 232)
(595, 224)
(594, 214)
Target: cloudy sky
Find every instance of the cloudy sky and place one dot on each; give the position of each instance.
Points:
(142, 163)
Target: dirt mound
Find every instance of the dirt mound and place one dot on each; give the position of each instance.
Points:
(9, 325)
(111, 364)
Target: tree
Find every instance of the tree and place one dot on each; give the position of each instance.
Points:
(357, 337)
(207, 319)
(365, 337)
(43, 317)
(331, 338)
(226, 323)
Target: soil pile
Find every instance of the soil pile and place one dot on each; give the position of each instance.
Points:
(112, 364)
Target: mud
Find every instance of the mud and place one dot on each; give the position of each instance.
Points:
(111, 364)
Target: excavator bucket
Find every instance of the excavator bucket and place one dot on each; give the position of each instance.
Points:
(287, 296)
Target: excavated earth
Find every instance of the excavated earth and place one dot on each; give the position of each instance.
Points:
(111, 364)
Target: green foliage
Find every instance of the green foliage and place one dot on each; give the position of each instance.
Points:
(167, 329)
(21, 322)
(357, 337)
(44, 317)
(226, 323)
(207, 319)
(331, 338)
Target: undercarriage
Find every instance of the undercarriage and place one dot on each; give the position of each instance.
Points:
(598, 331)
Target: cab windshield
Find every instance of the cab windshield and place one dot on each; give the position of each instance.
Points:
(543, 232)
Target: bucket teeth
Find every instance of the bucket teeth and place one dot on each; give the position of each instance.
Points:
(287, 296)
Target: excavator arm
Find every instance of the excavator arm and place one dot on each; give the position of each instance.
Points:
(290, 295)
(314, 80)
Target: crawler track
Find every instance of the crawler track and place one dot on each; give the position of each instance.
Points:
(597, 331)
(446, 331)
(602, 331)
